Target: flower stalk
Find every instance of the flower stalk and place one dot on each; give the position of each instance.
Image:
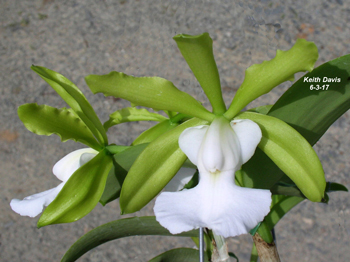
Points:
(220, 251)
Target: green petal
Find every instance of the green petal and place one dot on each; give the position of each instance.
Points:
(47, 120)
(81, 192)
(75, 99)
(149, 175)
(154, 92)
(130, 114)
(262, 78)
(198, 53)
(291, 152)
(135, 226)
(151, 134)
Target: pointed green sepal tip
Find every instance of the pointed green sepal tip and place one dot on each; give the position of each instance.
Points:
(198, 53)
(262, 78)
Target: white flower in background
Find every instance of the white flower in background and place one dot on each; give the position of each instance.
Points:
(218, 150)
(33, 205)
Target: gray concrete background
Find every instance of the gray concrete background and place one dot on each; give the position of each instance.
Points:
(77, 38)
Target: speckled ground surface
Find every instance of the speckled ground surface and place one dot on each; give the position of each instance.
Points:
(77, 38)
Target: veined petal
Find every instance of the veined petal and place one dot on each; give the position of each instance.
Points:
(33, 205)
(190, 141)
(182, 177)
(65, 167)
(249, 136)
(216, 203)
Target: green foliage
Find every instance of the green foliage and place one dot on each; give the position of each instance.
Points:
(81, 192)
(198, 53)
(136, 226)
(47, 120)
(179, 254)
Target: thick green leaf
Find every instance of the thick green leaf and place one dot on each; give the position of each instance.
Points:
(47, 120)
(81, 192)
(154, 92)
(262, 78)
(179, 254)
(149, 175)
(310, 112)
(291, 153)
(114, 184)
(150, 134)
(75, 99)
(127, 158)
(134, 226)
(334, 187)
(284, 204)
(198, 53)
(130, 114)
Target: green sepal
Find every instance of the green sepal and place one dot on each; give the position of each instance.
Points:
(130, 114)
(150, 134)
(154, 92)
(262, 78)
(179, 254)
(310, 112)
(135, 226)
(81, 192)
(75, 99)
(47, 120)
(198, 53)
(149, 175)
(291, 152)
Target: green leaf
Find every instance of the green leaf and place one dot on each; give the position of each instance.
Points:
(262, 78)
(284, 204)
(291, 153)
(154, 92)
(75, 99)
(334, 187)
(127, 158)
(114, 184)
(130, 114)
(81, 192)
(149, 175)
(150, 134)
(179, 254)
(198, 53)
(134, 226)
(310, 112)
(47, 120)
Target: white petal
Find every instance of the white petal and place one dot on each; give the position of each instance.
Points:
(249, 136)
(216, 203)
(220, 150)
(33, 205)
(190, 141)
(65, 167)
(178, 182)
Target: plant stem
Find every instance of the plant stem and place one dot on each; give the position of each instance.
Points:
(267, 251)
(220, 252)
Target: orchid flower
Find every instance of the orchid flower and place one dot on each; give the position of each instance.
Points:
(33, 205)
(218, 150)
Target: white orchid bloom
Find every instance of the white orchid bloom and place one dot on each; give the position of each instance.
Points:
(218, 150)
(33, 205)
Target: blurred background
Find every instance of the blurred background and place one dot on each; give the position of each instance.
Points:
(78, 38)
